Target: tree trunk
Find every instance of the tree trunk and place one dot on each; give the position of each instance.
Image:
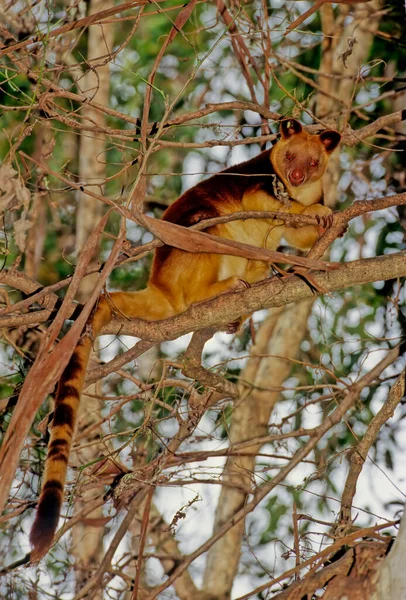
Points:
(277, 342)
(87, 545)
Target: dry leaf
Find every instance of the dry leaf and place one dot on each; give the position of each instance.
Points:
(14, 195)
(7, 174)
(20, 230)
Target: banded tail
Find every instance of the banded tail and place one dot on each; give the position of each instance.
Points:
(147, 304)
(63, 427)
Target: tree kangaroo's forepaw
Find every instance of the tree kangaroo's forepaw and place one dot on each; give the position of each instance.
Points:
(324, 221)
(327, 221)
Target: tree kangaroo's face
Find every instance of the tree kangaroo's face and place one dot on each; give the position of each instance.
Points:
(301, 158)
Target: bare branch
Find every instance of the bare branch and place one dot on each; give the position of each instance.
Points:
(360, 452)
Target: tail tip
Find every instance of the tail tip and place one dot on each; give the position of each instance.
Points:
(45, 522)
(41, 537)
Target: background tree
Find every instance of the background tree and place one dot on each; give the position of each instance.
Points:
(267, 465)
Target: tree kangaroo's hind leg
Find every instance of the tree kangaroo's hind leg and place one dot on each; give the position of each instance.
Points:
(231, 284)
(149, 304)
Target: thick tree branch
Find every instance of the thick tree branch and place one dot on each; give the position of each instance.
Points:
(265, 294)
(18, 280)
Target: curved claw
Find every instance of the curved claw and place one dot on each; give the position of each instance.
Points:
(241, 285)
(308, 278)
(343, 230)
(325, 221)
(238, 286)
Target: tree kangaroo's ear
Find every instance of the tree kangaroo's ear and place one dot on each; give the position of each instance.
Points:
(330, 139)
(290, 127)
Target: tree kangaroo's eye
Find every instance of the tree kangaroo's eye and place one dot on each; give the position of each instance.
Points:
(289, 156)
(314, 163)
